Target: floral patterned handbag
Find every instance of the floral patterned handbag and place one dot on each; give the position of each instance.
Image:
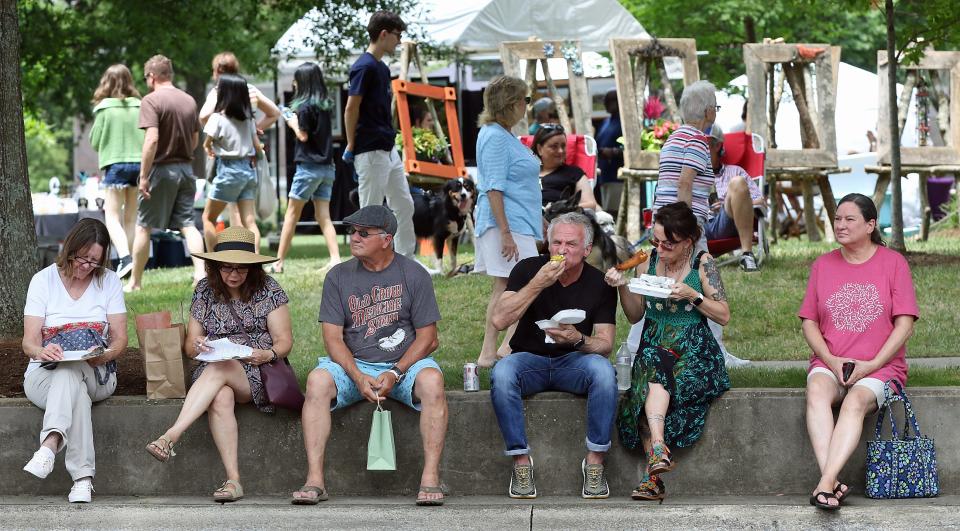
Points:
(901, 467)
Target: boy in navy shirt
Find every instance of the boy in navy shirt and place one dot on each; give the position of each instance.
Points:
(370, 133)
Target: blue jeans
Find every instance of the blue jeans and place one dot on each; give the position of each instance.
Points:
(522, 374)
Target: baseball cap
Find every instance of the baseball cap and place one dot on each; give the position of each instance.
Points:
(377, 216)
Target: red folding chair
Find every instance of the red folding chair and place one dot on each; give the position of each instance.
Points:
(747, 151)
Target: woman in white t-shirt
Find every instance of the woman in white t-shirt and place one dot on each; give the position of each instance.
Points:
(73, 305)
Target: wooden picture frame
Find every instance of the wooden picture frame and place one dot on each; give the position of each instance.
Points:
(448, 95)
(534, 51)
(632, 82)
(925, 155)
(758, 58)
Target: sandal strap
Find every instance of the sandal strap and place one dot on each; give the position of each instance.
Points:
(231, 487)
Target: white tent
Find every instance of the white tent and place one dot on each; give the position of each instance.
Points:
(477, 26)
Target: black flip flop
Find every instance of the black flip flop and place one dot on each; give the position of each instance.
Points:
(840, 493)
(815, 501)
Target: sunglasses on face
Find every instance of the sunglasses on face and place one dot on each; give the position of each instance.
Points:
(527, 100)
(84, 262)
(666, 245)
(364, 233)
(234, 269)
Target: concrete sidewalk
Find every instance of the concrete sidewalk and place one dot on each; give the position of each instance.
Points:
(930, 363)
(479, 512)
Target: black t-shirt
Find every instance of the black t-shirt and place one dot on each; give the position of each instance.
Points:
(316, 123)
(370, 78)
(556, 182)
(589, 293)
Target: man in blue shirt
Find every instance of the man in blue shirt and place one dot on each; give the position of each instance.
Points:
(370, 133)
(611, 154)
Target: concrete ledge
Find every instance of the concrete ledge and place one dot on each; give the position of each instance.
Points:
(755, 444)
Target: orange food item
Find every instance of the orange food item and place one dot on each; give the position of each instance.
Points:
(632, 262)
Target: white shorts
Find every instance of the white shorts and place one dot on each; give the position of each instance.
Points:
(489, 259)
(873, 384)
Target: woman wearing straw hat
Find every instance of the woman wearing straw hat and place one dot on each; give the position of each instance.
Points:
(236, 287)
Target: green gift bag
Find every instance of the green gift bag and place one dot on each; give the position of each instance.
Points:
(381, 454)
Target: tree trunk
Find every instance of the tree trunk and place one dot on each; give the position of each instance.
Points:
(896, 207)
(749, 29)
(18, 241)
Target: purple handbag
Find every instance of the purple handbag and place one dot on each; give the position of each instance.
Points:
(279, 382)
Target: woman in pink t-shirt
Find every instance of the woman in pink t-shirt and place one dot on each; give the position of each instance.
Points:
(859, 308)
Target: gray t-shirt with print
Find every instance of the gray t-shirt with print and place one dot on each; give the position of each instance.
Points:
(379, 311)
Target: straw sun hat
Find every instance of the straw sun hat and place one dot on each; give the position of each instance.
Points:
(235, 246)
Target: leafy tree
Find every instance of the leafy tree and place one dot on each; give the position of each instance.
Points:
(46, 154)
(721, 28)
(18, 244)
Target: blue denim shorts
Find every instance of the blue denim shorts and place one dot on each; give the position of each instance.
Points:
(348, 394)
(121, 175)
(720, 226)
(312, 181)
(236, 180)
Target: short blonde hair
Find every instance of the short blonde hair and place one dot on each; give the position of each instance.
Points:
(160, 66)
(502, 93)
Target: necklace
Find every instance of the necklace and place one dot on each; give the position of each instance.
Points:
(673, 270)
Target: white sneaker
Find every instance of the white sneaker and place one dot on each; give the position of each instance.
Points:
(41, 464)
(732, 361)
(81, 492)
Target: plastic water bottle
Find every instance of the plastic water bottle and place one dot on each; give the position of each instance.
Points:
(623, 367)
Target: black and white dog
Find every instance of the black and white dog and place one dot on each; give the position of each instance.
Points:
(608, 248)
(442, 216)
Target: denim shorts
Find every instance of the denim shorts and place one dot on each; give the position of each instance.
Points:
(347, 392)
(121, 175)
(312, 181)
(236, 180)
(721, 226)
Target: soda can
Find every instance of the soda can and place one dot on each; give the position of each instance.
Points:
(471, 378)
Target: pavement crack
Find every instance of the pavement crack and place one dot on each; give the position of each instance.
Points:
(531, 518)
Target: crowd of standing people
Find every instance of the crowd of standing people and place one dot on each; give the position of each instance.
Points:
(379, 313)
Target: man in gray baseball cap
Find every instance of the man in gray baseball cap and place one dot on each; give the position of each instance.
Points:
(379, 317)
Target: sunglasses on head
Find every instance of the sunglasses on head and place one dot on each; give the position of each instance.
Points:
(666, 245)
(364, 233)
(234, 269)
(551, 127)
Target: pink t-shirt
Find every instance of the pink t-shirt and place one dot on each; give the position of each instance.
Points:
(856, 304)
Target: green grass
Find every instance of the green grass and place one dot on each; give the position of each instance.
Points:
(764, 325)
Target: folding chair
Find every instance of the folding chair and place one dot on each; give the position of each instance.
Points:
(581, 152)
(747, 151)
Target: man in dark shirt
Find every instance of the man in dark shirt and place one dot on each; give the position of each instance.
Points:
(370, 134)
(167, 184)
(610, 154)
(563, 357)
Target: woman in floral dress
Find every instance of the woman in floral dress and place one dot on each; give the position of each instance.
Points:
(236, 288)
(679, 368)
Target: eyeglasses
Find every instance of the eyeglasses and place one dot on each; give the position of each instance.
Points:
(666, 245)
(146, 77)
(527, 99)
(234, 269)
(90, 263)
(363, 232)
(552, 127)
(398, 33)
(717, 107)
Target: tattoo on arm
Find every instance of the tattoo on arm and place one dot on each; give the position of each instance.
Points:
(713, 278)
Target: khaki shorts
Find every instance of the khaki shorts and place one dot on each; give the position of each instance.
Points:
(873, 384)
(172, 189)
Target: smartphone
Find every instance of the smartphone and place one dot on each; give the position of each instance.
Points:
(847, 369)
(286, 112)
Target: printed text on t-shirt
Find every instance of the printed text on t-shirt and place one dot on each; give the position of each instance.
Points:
(379, 308)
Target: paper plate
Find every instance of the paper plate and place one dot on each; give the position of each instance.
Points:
(547, 323)
(650, 291)
(571, 317)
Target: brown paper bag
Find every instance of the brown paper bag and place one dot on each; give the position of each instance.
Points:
(162, 356)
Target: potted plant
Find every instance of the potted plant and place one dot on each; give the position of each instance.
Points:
(426, 144)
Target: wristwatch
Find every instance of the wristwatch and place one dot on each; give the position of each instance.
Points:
(583, 340)
(397, 373)
(698, 300)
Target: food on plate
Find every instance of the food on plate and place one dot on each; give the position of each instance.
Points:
(632, 262)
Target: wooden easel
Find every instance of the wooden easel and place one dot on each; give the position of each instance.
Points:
(633, 59)
(537, 51)
(816, 106)
(409, 54)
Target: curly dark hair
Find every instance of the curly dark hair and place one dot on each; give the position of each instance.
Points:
(255, 281)
(678, 222)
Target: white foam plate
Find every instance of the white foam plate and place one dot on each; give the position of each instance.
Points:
(547, 323)
(649, 290)
(570, 317)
